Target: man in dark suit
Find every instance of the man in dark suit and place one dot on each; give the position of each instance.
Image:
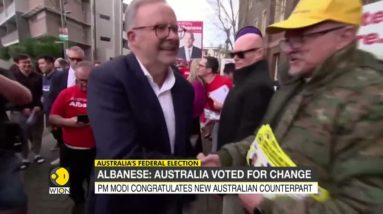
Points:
(62, 80)
(189, 51)
(141, 108)
(247, 103)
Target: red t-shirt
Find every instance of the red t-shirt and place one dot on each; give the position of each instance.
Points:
(185, 72)
(217, 82)
(70, 103)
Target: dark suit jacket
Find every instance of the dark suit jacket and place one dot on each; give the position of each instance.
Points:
(245, 104)
(59, 83)
(128, 123)
(196, 52)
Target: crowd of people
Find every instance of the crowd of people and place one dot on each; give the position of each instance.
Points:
(326, 113)
(56, 96)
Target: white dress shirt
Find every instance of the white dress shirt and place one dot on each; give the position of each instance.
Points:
(165, 98)
(71, 78)
(188, 53)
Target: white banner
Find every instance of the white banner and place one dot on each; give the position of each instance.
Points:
(370, 34)
(298, 188)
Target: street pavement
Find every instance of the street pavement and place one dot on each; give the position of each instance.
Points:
(36, 181)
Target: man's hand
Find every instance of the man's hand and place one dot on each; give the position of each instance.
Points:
(36, 109)
(211, 160)
(72, 122)
(217, 105)
(250, 201)
(207, 129)
(26, 112)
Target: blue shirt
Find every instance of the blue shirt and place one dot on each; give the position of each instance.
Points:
(47, 80)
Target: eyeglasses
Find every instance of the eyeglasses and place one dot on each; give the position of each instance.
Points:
(75, 59)
(241, 54)
(163, 30)
(297, 42)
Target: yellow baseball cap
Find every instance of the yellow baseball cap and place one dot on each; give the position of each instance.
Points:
(311, 12)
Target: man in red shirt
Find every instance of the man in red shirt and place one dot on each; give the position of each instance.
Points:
(69, 111)
(217, 87)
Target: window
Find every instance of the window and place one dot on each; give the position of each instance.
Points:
(102, 16)
(105, 39)
(280, 8)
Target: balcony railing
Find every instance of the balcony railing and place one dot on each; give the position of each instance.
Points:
(10, 38)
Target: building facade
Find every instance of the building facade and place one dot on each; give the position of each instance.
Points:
(110, 34)
(95, 25)
(261, 13)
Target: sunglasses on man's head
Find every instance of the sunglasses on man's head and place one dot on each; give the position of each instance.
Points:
(75, 59)
(241, 54)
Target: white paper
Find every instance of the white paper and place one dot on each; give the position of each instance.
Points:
(220, 94)
(211, 115)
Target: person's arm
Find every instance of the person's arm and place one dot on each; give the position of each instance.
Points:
(37, 104)
(14, 91)
(56, 117)
(112, 120)
(59, 121)
(232, 154)
(356, 172)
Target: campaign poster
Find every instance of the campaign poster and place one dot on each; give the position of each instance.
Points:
(191, 44)
(370, 34)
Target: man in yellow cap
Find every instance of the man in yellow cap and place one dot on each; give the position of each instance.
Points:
(328, 114)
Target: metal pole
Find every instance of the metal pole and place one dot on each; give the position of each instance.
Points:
(94, 31)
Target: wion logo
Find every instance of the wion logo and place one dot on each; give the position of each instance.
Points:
(59, 181)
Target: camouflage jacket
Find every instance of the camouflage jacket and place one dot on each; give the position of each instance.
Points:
(333, 123)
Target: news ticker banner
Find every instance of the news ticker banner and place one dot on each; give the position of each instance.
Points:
(187, 177)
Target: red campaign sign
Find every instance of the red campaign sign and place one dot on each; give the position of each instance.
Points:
(191, 44)
(370, 34)
(368, 19)
(370, 39)
(195, 27)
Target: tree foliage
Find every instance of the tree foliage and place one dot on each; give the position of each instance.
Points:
(227, 15)
(46, 45)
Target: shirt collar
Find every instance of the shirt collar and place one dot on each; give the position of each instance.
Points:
(169, 80)
(71, 70)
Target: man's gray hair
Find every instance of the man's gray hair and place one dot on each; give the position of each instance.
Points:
(77, 49)
(84, 64)
(62, 62)
(131, 11)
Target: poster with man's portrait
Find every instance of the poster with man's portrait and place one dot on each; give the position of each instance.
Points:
(191, 44)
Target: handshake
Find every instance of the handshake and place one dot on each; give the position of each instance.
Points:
(250, 202)
(210, 160)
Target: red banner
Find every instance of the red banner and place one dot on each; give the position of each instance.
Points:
(191, 44)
